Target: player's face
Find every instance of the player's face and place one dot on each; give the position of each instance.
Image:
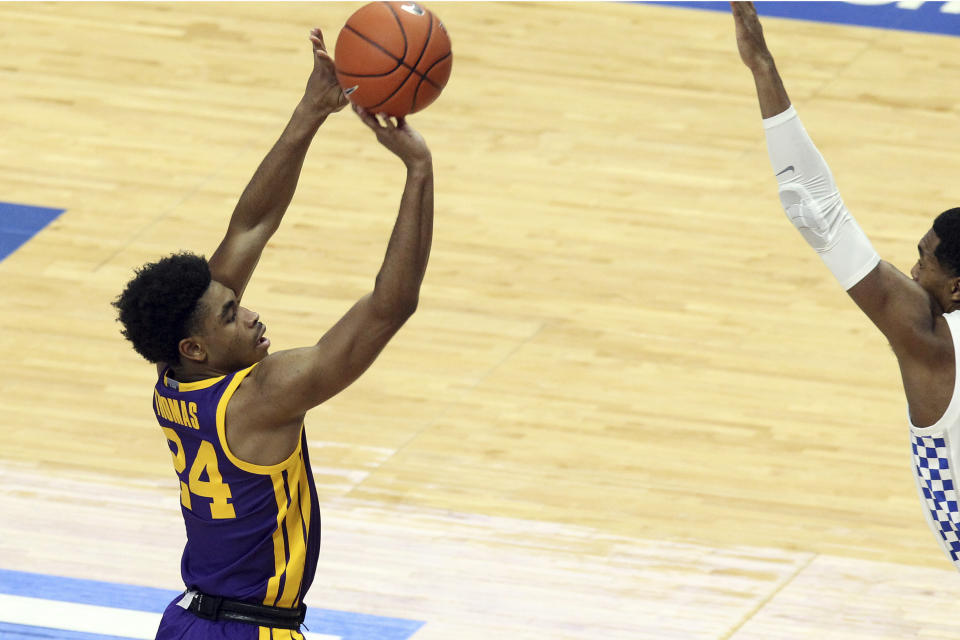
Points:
(927, 271)
(233, 336)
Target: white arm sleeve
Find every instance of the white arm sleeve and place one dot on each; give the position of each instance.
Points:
(812, 202)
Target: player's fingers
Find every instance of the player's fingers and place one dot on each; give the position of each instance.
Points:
(368, 119)
(316, 33)
(387, 122)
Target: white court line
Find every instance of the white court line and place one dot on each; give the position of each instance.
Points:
(89, 618)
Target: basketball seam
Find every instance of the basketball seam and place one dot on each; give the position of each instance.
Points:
(403, 32)
(399, 61)
(423, 77)
(432, 65)
(426, 43)
(381, 75)
(435, 62)
(416, 92)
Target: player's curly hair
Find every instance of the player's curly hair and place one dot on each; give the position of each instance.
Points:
(947, 228)
(161, 305)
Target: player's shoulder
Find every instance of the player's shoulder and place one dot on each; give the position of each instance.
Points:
(274, 374)
(279, 362)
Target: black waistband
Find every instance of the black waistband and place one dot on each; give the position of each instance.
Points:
(216, 608)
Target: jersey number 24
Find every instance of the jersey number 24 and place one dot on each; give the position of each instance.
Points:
(213, 487)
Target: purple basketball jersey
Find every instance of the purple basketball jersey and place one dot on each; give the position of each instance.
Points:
(253, 532)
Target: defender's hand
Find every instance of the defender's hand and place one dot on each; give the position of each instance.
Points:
(323, 91)
(750, 42)
(399, 137)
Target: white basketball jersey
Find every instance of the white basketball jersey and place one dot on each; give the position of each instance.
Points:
(936, 462)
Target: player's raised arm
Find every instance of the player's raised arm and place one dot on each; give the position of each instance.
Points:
(896, 304)
(261, 206)
(289, 383)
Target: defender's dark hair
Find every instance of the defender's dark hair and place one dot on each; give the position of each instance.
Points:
(160, 305)
(947, 228)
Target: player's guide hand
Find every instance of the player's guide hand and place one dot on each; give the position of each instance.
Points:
(323, 90)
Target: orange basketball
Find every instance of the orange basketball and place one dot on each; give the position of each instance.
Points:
(393, 57)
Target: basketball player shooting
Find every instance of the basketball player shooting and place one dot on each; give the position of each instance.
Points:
(917, 314)
(233, 414)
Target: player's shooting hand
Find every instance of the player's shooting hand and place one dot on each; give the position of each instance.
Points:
(399, 137)
(750, 42)
(323, 91)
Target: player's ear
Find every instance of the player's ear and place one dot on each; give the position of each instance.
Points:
(192, 349)
(954, 289)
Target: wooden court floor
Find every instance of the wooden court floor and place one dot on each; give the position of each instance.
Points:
(633, 404)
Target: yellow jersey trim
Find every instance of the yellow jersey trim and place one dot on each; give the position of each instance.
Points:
(296, 538)
(249, 467)
(266, 633)
(279, 550)
(192, 386)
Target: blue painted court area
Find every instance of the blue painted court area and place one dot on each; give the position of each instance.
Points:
(20, 222)
(35, 606)
(23, 632)
(927, 17)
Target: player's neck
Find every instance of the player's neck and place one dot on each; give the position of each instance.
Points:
(192, 372)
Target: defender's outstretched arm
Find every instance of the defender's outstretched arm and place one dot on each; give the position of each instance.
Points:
(896, 304)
